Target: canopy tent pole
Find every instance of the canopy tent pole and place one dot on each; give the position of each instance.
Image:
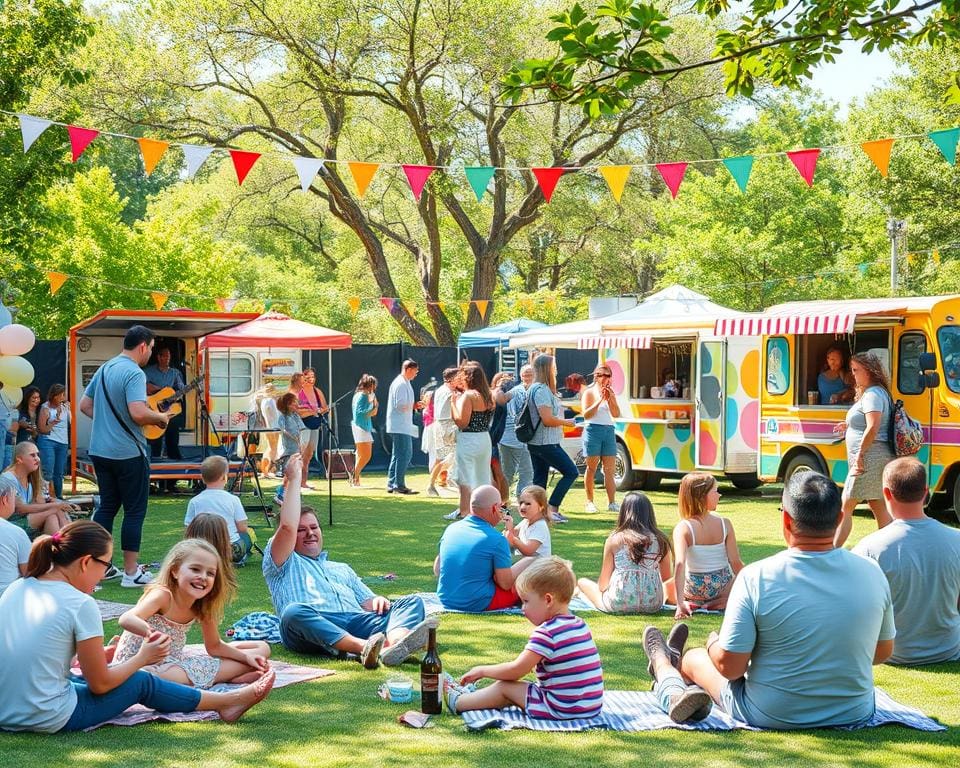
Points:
(330, 426)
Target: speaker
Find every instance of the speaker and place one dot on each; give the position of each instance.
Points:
(342, 468)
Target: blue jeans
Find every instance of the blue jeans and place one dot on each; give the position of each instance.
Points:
(304, 628)
(516, 461)
(545, 456)
(140, 688)
(53, 459)
(399, 460)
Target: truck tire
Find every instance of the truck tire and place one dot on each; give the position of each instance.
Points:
(745, 481)
(803, 462)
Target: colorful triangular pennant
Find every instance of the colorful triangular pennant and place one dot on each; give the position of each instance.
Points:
(159, 299)
(389, 303)
(195, 156)
(354, 303)
(672, 175)
(879, 152)
(740, 168)
(482, 305)
(464, 307)
(307, 168)
(616, 177)
(151, 151)
(363, 174)
(31, 128)
(417, 176)
(805, 161)
(57, 279)
(243, 162)
(547, 178)
(479, 177)
(80, 139)
(946, 142)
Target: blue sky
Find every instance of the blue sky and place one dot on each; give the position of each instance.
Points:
(852, 75)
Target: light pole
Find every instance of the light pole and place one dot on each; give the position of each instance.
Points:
(895, 228)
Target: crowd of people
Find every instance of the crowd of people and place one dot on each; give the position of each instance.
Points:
(800, 633)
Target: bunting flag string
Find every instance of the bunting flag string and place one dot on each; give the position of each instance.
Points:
(57, 279)
(479, 177)
(159, 299)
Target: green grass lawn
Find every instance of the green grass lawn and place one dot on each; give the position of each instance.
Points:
(339, 720)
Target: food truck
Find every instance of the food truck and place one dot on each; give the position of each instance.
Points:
(688, 397)
(918, 340)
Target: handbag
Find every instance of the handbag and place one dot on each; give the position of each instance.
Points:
(906, 433)
(524, 427)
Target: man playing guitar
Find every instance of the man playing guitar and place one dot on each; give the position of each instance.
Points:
(116, 400)
(160, 376)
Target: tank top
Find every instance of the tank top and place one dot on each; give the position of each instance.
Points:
(704, 558)
(58, 432)
(479, 421)
(602, 416)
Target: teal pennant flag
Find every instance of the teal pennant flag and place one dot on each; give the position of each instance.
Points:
(946, 142)
(479, 177)
(740, 168)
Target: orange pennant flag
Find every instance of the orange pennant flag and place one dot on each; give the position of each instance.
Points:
(354, 303)
(152, 151)
(441, 305)
(159, 299)
(57, 279)
(879, 152)
(482, 307)
(363, 174)
(616, 176)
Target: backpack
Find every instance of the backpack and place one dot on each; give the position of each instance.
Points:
(906, 433)
(524, 423)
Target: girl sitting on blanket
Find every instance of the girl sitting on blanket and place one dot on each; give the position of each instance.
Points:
(213, 530)
(635, 576)
(530, 539)
(55, 618)
(561, 650)
(191, 587)
(705, 548)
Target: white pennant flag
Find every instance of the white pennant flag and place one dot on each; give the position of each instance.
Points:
(307, 168)
(195, 156)
(31, 128)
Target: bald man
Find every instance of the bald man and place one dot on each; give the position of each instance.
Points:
(473, 567)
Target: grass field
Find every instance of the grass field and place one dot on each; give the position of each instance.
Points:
(339, 720)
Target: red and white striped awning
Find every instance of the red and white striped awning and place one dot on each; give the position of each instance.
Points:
(805, 317)
(614, 340)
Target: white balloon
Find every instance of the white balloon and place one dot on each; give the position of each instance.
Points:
(16, 339)
(11, 395)
(15, 371)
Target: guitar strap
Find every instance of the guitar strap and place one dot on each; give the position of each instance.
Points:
(116, 415)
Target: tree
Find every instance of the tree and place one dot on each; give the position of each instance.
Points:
(362, 80)
(605, 56)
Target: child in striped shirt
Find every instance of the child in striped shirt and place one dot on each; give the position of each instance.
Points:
(561, 649)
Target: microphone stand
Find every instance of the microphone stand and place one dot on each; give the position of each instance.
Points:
(332, 437)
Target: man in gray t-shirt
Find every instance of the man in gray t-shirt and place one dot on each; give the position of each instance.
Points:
(921, 559)
(802, 628)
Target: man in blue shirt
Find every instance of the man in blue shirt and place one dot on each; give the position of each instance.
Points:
(473, 566)
(116, 400)
(802, 628)
(161, 375)
(324, 607)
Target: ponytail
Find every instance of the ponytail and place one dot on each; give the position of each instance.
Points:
(73, 541)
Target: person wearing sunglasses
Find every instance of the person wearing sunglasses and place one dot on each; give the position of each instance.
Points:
(598, 405)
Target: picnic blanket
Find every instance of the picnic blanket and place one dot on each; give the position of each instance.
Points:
(259, 625)
(639, 711)
(287, 674)
(110, 610)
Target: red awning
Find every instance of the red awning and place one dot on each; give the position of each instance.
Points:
(278, 331)
(613, 340)
(807, 317)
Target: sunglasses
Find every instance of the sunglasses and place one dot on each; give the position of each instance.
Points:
(601, 375)
(104, 563)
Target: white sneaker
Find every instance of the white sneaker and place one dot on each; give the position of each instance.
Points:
(141, 578)
(432, 491)
(613, 507)
(590, 508)
(455, 515)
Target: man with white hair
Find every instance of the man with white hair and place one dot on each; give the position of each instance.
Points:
(14, 542)
(473, 567)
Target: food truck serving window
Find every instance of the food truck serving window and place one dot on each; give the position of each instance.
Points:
(948, 337)
(661, 371)
(240, 378)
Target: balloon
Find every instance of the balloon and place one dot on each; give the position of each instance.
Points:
(15, 371)
(5, 317)
(11, 395)
(16, 339)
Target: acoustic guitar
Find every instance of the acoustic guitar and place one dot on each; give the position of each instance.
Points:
(166, 400)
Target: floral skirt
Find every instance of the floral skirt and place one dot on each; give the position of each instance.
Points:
(707, 586)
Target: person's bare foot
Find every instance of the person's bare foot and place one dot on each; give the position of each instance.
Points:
(247, 677)
(247, 696)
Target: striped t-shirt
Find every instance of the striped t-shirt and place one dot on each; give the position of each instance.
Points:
(569, 676)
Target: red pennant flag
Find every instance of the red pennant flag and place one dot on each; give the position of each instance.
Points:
(80, 139)
(805, 161)
(672, 175)
(547, 178)
(417, 176)
(243, 162)
(388, 303)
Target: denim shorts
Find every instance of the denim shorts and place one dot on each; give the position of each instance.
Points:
(599, 440)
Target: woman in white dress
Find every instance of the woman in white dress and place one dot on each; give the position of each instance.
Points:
(472, 410)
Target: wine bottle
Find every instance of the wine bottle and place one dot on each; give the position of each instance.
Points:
(431, 689)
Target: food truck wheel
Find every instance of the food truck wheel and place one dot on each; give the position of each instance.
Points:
(623, 472)
(803, 462)
(745, 481)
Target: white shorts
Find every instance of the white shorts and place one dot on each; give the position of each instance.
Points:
(361, 435)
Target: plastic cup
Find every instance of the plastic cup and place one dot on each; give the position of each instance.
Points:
(400, 688)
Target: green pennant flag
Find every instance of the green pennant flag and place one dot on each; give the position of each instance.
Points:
(946, 141)
(740, 168)
(267, 305)
(479, 177)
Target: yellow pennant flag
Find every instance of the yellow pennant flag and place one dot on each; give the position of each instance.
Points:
(441, 305)
(464, 307)
(482, 307)
(407, 305)
(879, 152)
(151, 150)
(354, 303)
(616, 176)
(362, 175)
(159, 299)
(936, 257)
(57, 279)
